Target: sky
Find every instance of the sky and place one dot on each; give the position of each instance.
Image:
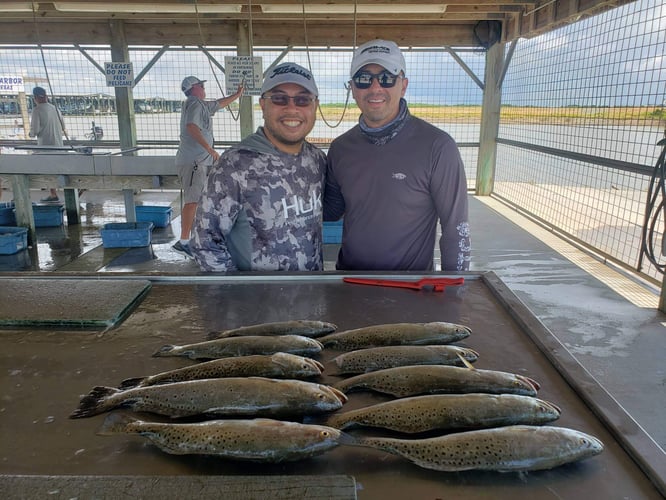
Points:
(614, 59)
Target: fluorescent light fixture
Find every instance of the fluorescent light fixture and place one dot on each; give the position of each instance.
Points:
(349, 9)
(17, 6)
(146, 8)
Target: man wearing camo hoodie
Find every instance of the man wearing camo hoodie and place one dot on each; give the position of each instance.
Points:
(261, 209)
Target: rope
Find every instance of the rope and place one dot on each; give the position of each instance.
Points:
(212, 69)
(307, 51)
(655, 213)
(46, 71)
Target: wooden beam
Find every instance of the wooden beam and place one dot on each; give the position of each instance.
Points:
(225, 33)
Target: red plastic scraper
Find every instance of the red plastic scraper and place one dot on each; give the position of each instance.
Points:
(438, 284)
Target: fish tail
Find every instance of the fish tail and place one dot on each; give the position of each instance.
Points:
(116, 423)
(94, 403)
(129, 383)
(165, 350)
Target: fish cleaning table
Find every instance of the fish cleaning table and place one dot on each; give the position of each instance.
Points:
(45, 372)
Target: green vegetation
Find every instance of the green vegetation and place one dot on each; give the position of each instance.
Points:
(519, 114)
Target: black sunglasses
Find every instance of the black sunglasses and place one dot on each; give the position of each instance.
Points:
(363, 79)
(302, 101)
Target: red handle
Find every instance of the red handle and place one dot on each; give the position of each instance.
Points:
(438, 284)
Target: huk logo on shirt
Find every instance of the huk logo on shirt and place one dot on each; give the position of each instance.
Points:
(300, 206)
(399, 176)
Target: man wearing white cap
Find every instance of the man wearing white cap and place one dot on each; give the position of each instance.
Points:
(394, 176)
(261, 209)
(195, 152)
(48, 126)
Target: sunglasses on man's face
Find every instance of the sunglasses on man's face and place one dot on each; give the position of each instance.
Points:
(302, 101)
(363, 79)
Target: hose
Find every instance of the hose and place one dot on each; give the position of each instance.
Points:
(655, 210)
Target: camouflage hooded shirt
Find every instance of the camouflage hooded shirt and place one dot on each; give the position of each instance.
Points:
(261, 210)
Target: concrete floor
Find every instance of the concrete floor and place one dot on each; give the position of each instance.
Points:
(607, 321)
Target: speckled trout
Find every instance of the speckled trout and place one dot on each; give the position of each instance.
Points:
(257, 440)
(307, 328)
(379, 358)
(435, 333)
(405, 381)
(278, 365)
(512, 448)
(244, 346)
(449, 412)
(234, 396)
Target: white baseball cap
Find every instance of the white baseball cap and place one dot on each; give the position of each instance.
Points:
(290, 73)
(189, 82)
(386, 54)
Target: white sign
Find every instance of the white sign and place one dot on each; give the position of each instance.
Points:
(119, 74)
(11, 84)
(245, 69)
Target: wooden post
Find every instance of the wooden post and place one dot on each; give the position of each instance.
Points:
(23, 205)
(490, 116)
(72, 206)
(22, 102)
(124, 108)
(245, 104)
(124, 96)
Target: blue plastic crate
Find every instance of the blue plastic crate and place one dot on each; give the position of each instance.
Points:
(333, 232)
(7, 215)
(13, 240)
(48, 215)
(126, 234)
(159, 216)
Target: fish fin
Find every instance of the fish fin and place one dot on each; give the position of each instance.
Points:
(130, 383)
(165, 350)
(115, 423)
(278, 359)
(465, 362)
(93, 403)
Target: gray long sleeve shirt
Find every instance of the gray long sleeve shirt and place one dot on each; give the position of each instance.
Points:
(392, 197)
(261, 210)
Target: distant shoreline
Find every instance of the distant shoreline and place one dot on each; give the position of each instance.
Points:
(524, 115)
(655, 115)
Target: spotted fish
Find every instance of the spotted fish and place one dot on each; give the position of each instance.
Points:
(512, 448)
(278, 365)
(405, 381)
(244, 346)
(307, 328)
(448, 412)
(257, 440)
(435, 333)
(231, 397)
(379, 358)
